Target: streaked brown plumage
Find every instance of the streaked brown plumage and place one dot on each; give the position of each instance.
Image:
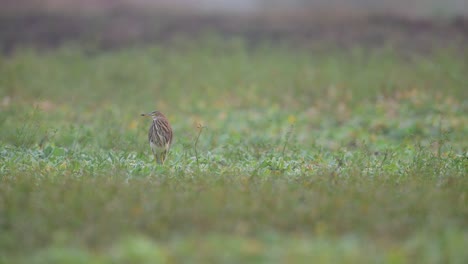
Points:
(159, 136)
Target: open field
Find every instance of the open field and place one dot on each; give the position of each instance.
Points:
(346, 156)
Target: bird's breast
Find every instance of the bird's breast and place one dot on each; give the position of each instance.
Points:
(157, 148)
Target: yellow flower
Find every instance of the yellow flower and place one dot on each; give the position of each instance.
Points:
(133, 125)
(291, 119)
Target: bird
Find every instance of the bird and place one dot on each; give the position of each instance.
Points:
(159, 136)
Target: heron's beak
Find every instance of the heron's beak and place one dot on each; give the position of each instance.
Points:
(150, 114)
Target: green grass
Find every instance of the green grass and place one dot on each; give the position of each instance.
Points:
(342, 157)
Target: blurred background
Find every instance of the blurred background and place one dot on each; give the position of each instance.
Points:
(116, 23)
(409, 7)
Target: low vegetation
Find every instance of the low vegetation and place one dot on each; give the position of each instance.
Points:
(280, 155)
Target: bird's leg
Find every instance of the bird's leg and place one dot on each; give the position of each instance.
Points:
(155, 156)
(163, 157)
(159, 158)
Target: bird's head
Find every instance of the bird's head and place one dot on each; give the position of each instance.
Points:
(153, 114)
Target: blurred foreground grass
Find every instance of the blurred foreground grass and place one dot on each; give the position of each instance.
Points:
(343, 157)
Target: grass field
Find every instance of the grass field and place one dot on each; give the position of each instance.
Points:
(349, 156)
